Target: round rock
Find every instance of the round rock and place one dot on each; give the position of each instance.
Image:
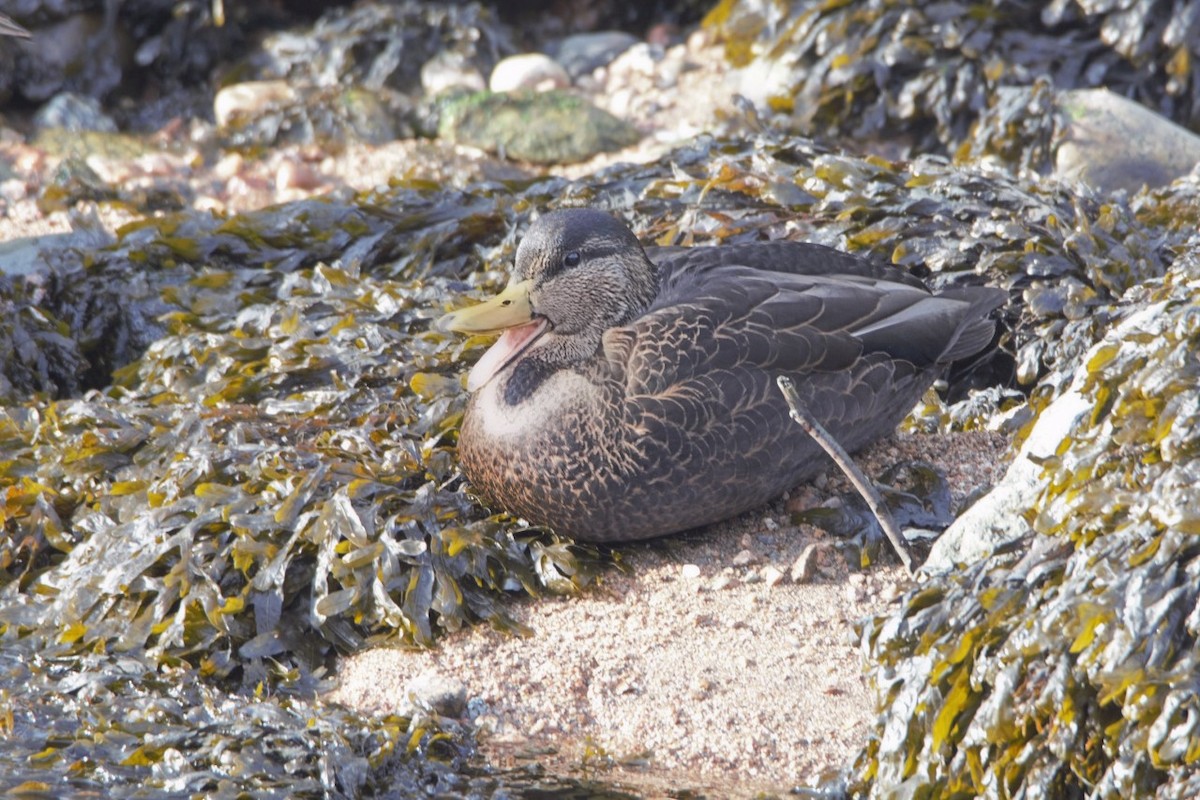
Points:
(74, 112)
(535, 71)
(448, 70)
(584, 52)
(243, 101)
(1113, 143)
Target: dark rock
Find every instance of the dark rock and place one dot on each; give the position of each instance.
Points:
(584, 52)
(261, 113)
(74, 112)
(383, 45)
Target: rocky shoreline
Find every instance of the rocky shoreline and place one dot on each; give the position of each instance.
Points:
(211, 393)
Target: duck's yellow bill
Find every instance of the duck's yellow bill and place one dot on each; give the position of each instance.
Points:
(506, 310)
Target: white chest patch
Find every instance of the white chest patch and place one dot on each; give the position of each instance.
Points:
(552, 399)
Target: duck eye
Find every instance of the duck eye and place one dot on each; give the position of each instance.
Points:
(571, 259)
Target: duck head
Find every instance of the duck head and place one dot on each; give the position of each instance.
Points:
(578, 272)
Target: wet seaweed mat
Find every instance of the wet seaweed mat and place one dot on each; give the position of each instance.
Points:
(1070, 668)
(264, 477)
(956, 78)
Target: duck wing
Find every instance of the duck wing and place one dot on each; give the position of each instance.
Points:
(791, 307)
(794, 258)
(704, 431)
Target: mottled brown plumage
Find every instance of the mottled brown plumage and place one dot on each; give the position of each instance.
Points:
(633, 392)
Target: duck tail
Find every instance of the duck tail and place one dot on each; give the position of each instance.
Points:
(976, 329)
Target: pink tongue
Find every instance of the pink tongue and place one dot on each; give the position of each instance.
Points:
(507, 347)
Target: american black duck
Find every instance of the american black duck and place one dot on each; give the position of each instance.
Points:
(632, 392)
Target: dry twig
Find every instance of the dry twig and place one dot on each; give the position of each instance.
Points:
(840, 457)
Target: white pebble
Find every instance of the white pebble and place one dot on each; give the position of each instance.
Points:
(528, 71)
(772, 575)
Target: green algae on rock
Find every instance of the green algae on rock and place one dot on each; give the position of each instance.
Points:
(540, 127)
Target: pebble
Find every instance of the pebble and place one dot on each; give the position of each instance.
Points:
(1113, 143)
(691, 571)
(772, 575)
(489, 724)
(641, 60)
(444, 695)
(671, 67)
(621, 102)
(228, 166)
(14, 189)
(804, 568)
(250, 99)
(294, 175)
(477, 707)
(73, 112)
(450, 70)
(721, 582)
(663, 34)
(744, 558)
(528, 71)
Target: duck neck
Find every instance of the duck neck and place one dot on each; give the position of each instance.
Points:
(553, 353)
(644, 286)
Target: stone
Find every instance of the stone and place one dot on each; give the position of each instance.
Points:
(583, 53)
(543, 128)
(445, 696)
(450, 69)
(772, 575)
(1112, 143)
(995, 520)
(744, 558)
(721, 582)
(73, 112)
(251, 99)
(535, 71)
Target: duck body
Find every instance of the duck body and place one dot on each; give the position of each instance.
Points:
(633, 392)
